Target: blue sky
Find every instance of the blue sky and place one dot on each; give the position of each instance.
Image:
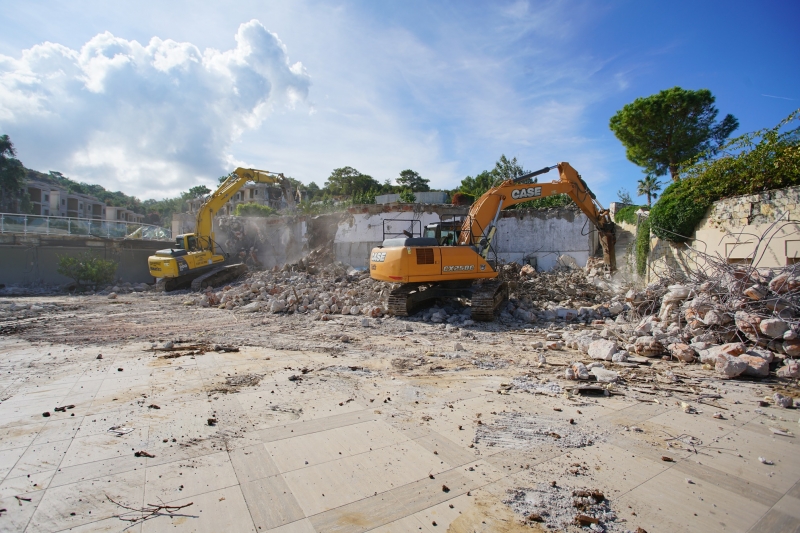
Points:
(152, 98)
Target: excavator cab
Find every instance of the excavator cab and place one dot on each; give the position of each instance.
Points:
(187, 241)
(445, 232)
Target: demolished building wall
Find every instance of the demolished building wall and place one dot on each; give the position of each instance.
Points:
(761, 230)
(262, 242)
(535, 236)
(541, 236)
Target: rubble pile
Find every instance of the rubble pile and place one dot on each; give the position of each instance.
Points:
(559, 294)
(738, 323)
(306, 287)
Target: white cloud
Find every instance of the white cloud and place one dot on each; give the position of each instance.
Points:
(147, 119)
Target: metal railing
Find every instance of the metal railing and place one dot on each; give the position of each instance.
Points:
(111, 229)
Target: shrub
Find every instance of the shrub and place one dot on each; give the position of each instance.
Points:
(87, 269)
(764, 160)
(642, 245)
(628, 213)
(407, 196)
(254, 210)
(365, 197)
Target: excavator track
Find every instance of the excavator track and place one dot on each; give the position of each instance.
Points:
(218, 276)
(408, 299)
(486, 298)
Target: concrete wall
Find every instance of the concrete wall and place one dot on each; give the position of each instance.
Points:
(760, 229)
(33, 259)
(426, 197)
(543, 234)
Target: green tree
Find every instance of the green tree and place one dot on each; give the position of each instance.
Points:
(347, 181)
(199, 190)
(12, 174)
(475, 187)
(407, 196)
(662, 131)
(314, 191)
(412, 180)
(649, 186)
(505, 169)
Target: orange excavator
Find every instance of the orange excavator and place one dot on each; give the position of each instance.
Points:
(455, 262)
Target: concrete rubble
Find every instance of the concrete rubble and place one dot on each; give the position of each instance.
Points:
(588, 405)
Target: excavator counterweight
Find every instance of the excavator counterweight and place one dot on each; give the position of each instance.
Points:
(458, 265)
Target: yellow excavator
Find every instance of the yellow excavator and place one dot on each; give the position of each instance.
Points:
(448, 260)
(197, 260)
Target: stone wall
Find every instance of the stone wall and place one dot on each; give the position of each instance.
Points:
(762, 230)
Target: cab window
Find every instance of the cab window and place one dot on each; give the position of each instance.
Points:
(192, 244)
(179, 243)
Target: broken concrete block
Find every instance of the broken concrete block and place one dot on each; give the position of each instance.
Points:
(580, 370)
(756, 292)
(732, 349)
(615, 308)
(782, 401)
(767, 355)
(554, 345)
(648, 346)
(365, 322)
(748, 324)
(251, 307)
(602, 349)
(605, 376)
(112, 296)
(729, 367)
(756, 366)
(277, 306)
(716, 318)
(780, 283)
(620, 357)
(791, 370)
(792, 348)
(457, 347)
(682, 352)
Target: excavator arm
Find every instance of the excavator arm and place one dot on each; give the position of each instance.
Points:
(479, 227)
(225, 192)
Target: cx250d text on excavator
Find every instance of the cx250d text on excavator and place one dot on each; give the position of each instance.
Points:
(455, 263)
(197, 260)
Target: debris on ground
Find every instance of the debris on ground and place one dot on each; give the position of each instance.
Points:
(562, 508)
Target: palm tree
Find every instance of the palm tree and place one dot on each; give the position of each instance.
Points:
(649, 187)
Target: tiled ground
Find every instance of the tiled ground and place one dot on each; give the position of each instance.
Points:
(354, 451)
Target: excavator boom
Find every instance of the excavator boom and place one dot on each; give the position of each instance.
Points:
(479, 225)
